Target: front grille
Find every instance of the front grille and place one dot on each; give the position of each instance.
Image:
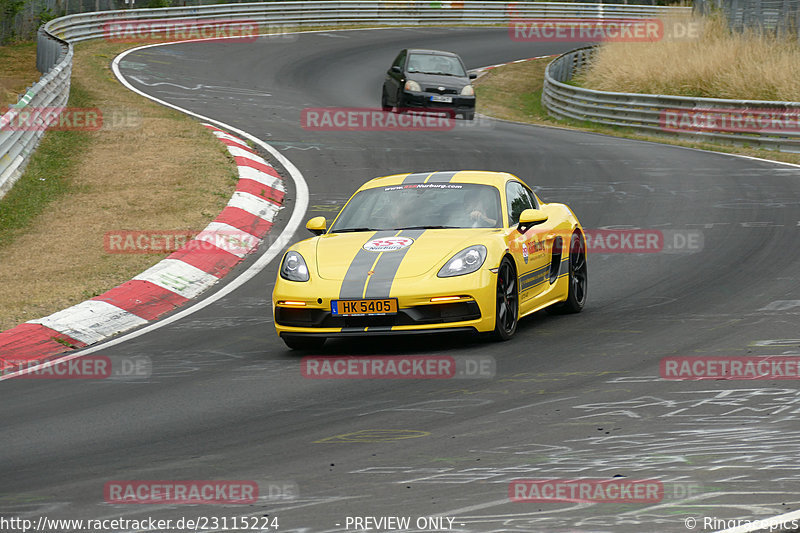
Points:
(362, 321)
(421, 314)
(437, 91)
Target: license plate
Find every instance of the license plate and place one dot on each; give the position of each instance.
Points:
(444, 99)
(364, 307)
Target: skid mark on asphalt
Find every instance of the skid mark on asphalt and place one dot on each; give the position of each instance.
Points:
(446, 407)
(222, 322)
(374, 435)
(209, 88)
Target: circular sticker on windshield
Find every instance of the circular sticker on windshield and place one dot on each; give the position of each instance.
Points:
(388, 244)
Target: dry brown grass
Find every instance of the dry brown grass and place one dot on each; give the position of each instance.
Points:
(17, 72)
(166, 173)
(718, 64)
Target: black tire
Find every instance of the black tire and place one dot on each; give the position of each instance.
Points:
(303, 343)
(384, 104)
(578, 277)
(469, 115)
(399, 104)
(506, 314)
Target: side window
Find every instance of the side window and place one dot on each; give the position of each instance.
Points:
(400, 60)
(518, 201)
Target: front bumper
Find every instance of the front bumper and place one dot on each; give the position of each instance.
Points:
(414, 100)
(304, 308)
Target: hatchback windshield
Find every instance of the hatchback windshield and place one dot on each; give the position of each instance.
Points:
(424, 205)
(435, 64)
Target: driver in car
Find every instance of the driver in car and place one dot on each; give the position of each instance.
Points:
(479, 210)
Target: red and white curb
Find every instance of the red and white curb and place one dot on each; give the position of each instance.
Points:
(183, 275)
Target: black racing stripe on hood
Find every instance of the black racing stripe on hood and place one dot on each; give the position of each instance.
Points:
(418, 177)
(356, 275)
(380, 283)
(443, 177)
(430, 177)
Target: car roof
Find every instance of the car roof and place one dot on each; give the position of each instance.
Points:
(482, 177)
(432, 52)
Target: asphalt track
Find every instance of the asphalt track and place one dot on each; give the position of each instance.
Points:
(573, 396)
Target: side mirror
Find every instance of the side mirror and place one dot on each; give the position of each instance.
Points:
(317, 225)
(473, 75)
(530, 218)
(396, 69)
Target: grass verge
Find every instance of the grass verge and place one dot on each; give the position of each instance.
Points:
(149, 168)
(17, 72)
(514, 92)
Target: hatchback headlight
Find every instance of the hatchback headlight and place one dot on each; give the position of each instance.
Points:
(466, 261)
(411, 85)
(294, 267)
(467, 91)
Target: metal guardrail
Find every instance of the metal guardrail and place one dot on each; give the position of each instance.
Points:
(392, 12)
(768, 124)
(17, 139)
(54, 52)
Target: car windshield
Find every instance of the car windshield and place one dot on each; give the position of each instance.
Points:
(421, 206)
(435, 64)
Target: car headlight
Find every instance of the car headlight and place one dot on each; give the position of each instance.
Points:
(466, 261)
(294, 267)
(411, 85)
(467, 91)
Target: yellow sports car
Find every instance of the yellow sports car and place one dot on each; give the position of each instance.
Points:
(431, 252)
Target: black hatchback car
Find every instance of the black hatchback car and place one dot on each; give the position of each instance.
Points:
(429, 79)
